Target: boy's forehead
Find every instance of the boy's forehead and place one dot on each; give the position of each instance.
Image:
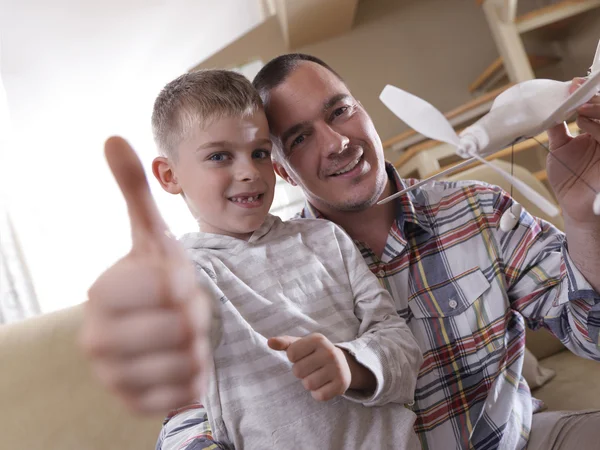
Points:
(236, 129)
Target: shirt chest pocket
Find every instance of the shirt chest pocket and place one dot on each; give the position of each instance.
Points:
(456, 325)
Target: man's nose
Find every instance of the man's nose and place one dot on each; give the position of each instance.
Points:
(331, 141)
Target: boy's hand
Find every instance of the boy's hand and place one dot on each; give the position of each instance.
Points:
(322, 367)
(146, 324)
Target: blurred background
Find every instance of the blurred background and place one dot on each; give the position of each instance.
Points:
(75, 72)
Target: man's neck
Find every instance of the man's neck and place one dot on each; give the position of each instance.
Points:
(370, 226)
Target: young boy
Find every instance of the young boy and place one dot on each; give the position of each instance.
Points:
(296, 300)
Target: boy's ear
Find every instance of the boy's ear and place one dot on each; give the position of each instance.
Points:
(280, 170)
(161, 168)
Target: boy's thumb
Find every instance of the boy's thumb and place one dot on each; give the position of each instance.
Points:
(281, 342)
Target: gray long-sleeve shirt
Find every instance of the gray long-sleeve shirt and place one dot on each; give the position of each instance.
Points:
(296, 278)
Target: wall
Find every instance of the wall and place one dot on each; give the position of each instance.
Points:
(262, 42)
(432, 48)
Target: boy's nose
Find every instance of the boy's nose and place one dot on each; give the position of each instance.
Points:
(248, 172)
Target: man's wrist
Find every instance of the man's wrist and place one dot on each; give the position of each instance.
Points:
(583, 243)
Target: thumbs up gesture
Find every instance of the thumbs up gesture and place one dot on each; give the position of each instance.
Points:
(146, 324)
(324, 369)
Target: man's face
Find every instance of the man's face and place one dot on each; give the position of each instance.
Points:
(226, 174)
(330, 145)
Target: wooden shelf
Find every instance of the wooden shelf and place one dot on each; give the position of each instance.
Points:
(496, 71)
(553, 13)
(541, 175)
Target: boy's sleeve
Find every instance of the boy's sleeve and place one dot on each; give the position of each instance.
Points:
(384, 345)
(187, 428)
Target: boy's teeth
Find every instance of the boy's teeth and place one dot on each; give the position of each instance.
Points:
(244, 199)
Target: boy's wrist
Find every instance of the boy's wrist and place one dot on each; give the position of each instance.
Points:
(362, 379)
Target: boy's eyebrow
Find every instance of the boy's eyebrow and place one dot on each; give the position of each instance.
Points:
(229, 144)
(213, 144)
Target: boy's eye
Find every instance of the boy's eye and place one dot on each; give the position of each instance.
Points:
(218, 157)
(261, 154)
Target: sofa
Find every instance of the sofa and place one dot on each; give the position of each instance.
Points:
(50, 401)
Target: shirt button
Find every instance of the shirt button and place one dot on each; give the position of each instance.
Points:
(381, 273)
(452, 304)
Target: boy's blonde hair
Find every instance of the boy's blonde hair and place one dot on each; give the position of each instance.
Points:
(196, 98)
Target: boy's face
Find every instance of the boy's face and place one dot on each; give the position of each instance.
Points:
(226, 175)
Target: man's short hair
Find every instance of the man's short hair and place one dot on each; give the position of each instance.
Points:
(278, 69)
(196, 98)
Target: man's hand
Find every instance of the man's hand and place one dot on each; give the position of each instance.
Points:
(574, 187)
(146, 324)
(581, 155)
(325, 370)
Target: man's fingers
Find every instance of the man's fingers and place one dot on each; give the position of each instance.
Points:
(281, 343)
(589, 126)
(577, 81)
(129, 174)
(590, 110)
(558, 136)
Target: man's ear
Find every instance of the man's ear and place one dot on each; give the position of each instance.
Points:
(162, 170)
(280, 170)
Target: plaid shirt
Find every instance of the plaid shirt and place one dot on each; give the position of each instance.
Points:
(467, 291)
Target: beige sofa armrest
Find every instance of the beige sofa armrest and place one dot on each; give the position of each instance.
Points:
(50, 400)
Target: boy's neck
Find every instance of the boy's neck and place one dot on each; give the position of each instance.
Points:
(240, 236)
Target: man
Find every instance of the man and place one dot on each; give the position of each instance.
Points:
(466, 288)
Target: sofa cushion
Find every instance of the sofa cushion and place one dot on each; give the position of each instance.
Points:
(576, 385)
(50, 400)
(535, 374)
(542, 343)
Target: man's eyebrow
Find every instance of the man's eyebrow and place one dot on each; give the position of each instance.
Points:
(293, 130)
(333, 100)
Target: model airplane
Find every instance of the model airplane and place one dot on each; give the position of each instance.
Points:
(519, 113)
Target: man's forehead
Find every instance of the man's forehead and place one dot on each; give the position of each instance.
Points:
(312, 78)
(303, 94)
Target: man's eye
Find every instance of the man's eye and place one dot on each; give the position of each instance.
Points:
(298, 140)
(338, 112)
